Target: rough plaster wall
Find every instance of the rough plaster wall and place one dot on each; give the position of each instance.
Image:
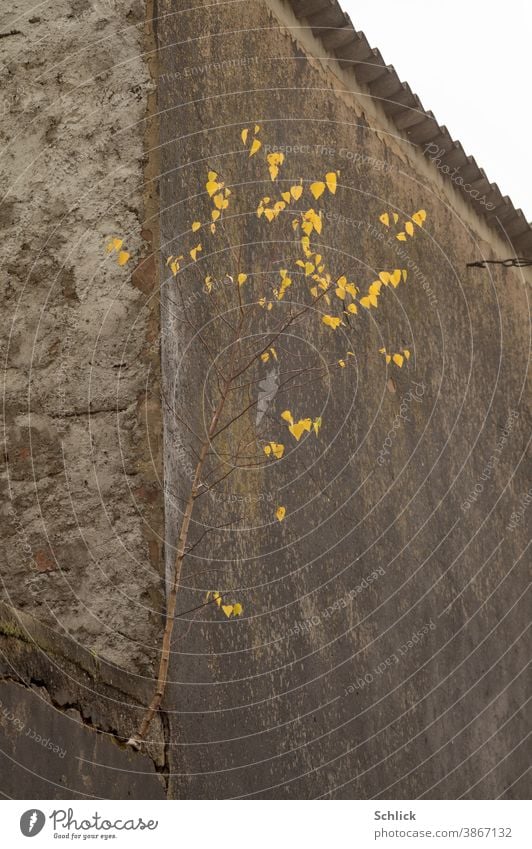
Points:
(255, 709)
(82, 508)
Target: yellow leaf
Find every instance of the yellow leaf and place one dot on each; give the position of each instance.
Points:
(409, 227)
(316, 425)
(274, 353)
(352, 308)
(274, 171)
(316, 220)
(395, 217)
(298, 428)
(208, 283)
(401, 237)
(212, 175)
(215, 214)
(382, 350)
(265, 357)
(287, 416)
(174, 267)
(341, 363)
(384, 277)
(388, 359)
(123, 257)
(114, 245)
(419, 217)
(369, 301)
(385, 219)
(255, 147)
(404, 275)
(257, 129)
(286, 282)
(237, 609)
(398, 360)
(305, 244)
(220, 202)
(296, 192)
(196, 225)
(280, 513)
(270, 214)
(395, 278)
(195, 251)
(317, 189)
(375, 288)
(406, 353)
(286, 196)
(242, 279)
(212, 187)
(213, 228)
(351, 289)
(331, 181)
(244, 135)
(331, 321)
(227, 609)
(275, 448)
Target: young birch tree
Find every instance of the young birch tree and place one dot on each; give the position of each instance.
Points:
(260, 369)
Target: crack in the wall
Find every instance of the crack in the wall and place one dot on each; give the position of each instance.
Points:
(63, 707)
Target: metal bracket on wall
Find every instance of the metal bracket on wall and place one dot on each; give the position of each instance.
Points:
(514, 262)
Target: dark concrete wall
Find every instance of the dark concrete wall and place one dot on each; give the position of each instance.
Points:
(256, 709)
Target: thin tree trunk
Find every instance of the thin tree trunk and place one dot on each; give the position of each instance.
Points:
(162, 678)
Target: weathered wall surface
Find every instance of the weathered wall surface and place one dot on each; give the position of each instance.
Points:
(62, 715)
(82, 508)
(410, 683)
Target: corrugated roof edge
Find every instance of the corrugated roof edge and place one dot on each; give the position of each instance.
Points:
(333, 27)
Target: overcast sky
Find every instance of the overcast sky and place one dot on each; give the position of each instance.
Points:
(470, 63)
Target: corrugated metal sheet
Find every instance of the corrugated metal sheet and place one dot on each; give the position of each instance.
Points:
(329, 23)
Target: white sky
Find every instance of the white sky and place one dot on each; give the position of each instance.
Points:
(470, 63)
